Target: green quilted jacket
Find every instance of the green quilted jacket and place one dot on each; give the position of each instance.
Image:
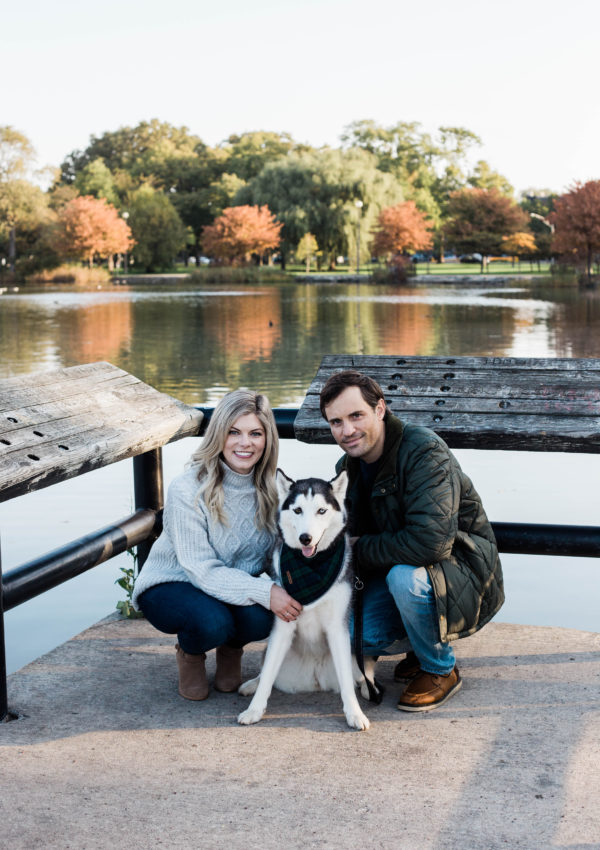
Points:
(429, 514)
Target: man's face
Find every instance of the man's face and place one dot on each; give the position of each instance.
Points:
(356, 426)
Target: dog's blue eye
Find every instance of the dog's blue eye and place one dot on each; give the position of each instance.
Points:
(297, 510)
(322, 511)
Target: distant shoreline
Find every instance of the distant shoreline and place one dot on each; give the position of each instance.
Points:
(331, 277)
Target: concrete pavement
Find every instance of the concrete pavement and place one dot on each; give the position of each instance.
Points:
(106, 754)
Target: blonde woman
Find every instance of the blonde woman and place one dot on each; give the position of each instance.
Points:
(205, 578)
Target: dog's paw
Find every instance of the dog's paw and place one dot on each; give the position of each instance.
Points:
(357, 720)
(246, 689)
(250, 716)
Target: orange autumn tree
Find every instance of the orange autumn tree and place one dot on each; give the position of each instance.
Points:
(521, 244)
(402, 229)
(240, 232)
(90, 228)
(576, 219)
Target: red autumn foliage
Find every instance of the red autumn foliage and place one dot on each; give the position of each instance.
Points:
(576, 219)
(402, 229)
(91, 227)
(479, 219)
(240, 232)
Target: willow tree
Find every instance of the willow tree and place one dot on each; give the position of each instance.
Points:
(316, 193)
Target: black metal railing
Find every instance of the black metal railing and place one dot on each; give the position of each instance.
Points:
(143, 526)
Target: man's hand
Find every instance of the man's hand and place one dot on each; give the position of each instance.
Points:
(283, 606)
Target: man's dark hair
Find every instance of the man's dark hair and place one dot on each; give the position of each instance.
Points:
(337, 383)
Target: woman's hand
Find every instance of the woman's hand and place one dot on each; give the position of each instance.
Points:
(282, 604)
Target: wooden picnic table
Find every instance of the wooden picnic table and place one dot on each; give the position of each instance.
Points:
(522, 404)
(56, 425)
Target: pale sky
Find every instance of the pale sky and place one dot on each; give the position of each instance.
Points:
(522, 74)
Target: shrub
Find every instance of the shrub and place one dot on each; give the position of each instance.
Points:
(78, 275)
(398, 272)
(239, 274)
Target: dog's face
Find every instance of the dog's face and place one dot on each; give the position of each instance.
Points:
(311, 511)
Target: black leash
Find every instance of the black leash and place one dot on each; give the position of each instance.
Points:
(376, 689)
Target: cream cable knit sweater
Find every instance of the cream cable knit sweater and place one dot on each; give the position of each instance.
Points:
(227, 562)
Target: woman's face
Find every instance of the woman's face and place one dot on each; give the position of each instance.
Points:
(244, 444)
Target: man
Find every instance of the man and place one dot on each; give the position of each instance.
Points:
(424, 547)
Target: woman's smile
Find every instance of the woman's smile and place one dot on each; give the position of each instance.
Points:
(245, 444)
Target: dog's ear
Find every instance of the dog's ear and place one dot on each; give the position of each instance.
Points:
(283, 485)
(339, 485)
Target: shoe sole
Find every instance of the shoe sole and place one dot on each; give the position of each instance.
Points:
(402, 707)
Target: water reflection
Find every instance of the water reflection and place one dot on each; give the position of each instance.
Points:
(197, 342)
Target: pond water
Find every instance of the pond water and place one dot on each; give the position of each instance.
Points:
(197, 342)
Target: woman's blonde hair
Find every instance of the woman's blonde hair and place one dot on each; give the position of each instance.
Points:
(235, 404)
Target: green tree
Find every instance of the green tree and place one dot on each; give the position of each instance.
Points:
(96, 179)
(141, 151)
(157, 229)
(427, 167)
(199, 206)
(316, 192)
(479, 219)
(308, 248)
(23, 206)
(248, 153)
(484, 177)
(538, 204)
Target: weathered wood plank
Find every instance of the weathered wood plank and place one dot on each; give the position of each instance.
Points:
(57, 425)
(500, 406)
(494, 403)
(362, 362)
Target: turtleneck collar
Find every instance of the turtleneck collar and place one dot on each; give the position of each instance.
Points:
(236, 479)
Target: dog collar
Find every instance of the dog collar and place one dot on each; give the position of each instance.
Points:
(307, 579)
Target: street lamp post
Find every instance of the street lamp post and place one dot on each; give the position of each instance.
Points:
(359, 206)
(125, 215)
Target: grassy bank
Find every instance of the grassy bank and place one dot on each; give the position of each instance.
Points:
(239, 274)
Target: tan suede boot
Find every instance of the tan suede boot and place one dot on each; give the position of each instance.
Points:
(193, 683)
(228, 677)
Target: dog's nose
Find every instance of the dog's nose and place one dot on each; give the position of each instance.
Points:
(305, 539)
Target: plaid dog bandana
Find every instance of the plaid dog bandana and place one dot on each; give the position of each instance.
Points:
(307, 579)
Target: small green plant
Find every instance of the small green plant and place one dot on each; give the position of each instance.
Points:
(127, 580)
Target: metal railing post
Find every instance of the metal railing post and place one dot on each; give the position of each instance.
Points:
(149, 492)
(3, 691)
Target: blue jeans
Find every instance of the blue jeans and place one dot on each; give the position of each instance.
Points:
(399, 614)
(200, 621)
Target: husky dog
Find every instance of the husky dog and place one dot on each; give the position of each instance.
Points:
(312, 561)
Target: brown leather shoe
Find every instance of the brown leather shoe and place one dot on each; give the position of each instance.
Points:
(428, 690)
(228, 676)
(193, 683)
(408, 668)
